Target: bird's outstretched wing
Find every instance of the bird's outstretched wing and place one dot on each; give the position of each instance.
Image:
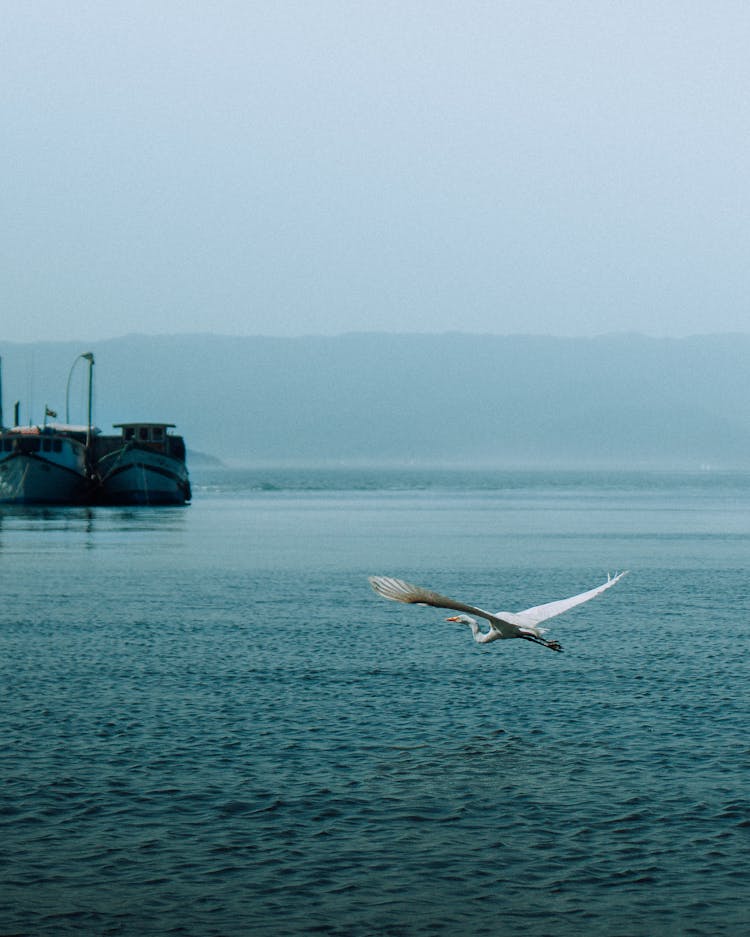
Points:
(539, 613)
(400, 591)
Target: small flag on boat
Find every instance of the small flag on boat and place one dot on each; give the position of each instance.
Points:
(50, 412)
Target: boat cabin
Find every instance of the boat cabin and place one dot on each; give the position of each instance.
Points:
(153, 436)
(28, 443)
(144, 432)
(49, 438)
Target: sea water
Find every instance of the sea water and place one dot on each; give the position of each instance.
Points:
(210, 725)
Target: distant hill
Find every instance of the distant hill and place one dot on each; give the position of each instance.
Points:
(384, 398)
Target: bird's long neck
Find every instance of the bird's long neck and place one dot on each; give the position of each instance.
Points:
(479, 636)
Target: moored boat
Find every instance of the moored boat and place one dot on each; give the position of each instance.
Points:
(145, 464)
(65, 464)
(43, 465)
(48, 463)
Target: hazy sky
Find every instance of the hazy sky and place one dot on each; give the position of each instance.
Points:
(301, 167)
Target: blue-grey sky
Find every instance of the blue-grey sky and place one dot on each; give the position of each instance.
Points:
(285, 168)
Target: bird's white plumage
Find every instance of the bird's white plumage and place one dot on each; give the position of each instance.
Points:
(539, 613)
(503, 625)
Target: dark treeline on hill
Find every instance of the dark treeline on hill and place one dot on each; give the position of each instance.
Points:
(619, 400)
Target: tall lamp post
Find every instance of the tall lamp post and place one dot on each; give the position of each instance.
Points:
(87, 356)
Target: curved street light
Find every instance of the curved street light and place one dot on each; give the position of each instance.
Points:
(87, 356)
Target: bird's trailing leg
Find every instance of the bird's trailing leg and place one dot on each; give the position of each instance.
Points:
(552, 645)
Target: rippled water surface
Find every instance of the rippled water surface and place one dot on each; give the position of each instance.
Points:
(211, 726)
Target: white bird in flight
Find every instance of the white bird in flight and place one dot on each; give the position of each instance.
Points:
(503, 625)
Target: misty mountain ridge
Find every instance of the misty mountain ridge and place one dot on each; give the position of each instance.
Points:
(622, 400)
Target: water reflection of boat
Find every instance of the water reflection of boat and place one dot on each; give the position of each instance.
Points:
(144, 465)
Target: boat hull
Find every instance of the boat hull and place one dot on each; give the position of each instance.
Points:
(36, 479)
(137, 476)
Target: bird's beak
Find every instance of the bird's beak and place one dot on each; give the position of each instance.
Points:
(452, 618)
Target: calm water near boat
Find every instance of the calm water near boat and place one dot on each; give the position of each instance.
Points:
(211, 726)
